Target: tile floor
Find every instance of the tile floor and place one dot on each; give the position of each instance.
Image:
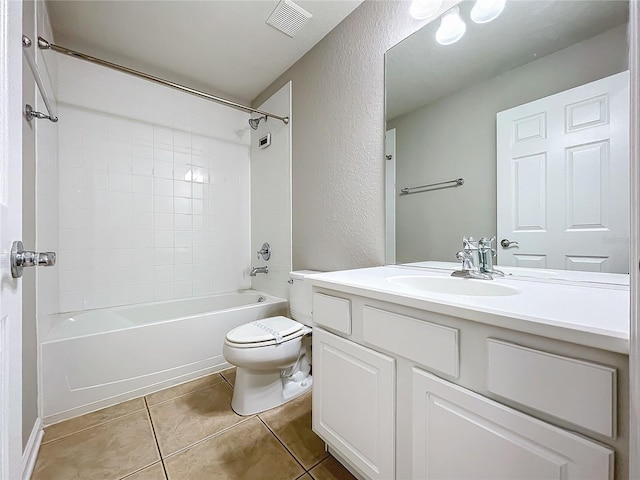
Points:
(188, 432)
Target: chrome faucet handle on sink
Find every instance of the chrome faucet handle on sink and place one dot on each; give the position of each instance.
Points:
(487, 253)
(471, 260)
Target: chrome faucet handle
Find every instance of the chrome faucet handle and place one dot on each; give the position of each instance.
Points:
(470, 243)
(487, 242)
(265, 251)
(466, 259)
(487, 253)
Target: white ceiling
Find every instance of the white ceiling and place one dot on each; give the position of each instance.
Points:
(421, 71)
(223, 47)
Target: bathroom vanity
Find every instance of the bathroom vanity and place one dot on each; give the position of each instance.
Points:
(418, 375)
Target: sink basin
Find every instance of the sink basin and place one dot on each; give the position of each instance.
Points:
(454, 286)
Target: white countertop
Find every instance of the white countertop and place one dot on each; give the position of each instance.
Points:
(592, 315)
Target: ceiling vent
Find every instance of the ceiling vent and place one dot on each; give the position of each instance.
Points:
(288, 17)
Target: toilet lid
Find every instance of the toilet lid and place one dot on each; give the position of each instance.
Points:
(264, 330)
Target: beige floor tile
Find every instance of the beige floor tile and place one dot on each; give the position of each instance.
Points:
(92, 419)
(291, 422)
(245, 452)
(306, 476)
(154, 472)
(331, 469)
(230, 375)
(111, 450)
(188, 419)
(182, 389)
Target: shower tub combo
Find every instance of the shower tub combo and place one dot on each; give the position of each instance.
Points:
(98, 358)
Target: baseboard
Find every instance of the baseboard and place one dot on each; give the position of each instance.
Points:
(30, 453)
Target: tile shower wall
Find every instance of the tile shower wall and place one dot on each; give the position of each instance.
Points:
(271, 195)
(47, 224)
(154, 191)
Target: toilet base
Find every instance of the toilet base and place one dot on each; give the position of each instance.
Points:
(257, 391)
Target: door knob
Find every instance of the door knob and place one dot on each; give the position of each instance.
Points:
(20, 259)
(506, 243)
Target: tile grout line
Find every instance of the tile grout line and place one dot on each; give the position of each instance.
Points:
(184, 394)
(226, 380)
(129, 475)
(316, 464)
(92, 426)
(282, 443)
(147, 407)
(155, 437)
(209, 437)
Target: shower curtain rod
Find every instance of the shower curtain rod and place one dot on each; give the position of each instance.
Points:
(45, 45)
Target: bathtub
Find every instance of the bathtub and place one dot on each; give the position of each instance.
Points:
(93, 359)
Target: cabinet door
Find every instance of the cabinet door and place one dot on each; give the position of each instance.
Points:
(458, 434)
(354, 403)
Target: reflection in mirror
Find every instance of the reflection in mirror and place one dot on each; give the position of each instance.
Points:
(531, 110)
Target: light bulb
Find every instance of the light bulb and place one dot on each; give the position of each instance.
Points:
(486, 10)
(451, 28)
(421, 9)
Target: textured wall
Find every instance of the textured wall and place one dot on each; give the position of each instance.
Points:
(338, 139)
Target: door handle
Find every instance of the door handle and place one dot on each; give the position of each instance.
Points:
(21, 258)
(506, 243)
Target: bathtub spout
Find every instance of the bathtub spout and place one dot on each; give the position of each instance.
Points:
(257, 270)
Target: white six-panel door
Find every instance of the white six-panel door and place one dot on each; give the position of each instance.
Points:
(563, 179)
(10, 230)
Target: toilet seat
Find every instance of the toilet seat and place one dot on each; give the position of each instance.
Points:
(267, 331)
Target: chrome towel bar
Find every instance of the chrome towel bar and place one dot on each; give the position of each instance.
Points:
(427, 188)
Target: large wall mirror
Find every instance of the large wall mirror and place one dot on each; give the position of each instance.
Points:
(519, 130)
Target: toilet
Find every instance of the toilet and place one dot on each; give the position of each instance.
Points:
(273, 355)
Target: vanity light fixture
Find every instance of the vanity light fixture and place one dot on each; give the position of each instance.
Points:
(452, 27)
(485, 11)
(422, 9)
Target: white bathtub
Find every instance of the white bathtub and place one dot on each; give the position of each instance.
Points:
(97, 358)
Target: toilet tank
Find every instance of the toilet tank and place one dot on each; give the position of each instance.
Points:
(300, 296)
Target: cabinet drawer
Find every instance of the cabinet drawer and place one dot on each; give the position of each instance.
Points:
(431, 345)
(579, 392)
(332, 312)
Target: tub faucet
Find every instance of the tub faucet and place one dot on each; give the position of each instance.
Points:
(257, 270)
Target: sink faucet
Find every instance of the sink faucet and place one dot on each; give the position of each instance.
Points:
(257, 270)
(472, 258)
(487, 252)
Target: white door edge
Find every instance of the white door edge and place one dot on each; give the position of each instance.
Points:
(390, 195)
(10, 229)
(634, 159)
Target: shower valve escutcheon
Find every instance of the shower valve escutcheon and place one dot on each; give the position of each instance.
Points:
(265, 251)
(21, 258)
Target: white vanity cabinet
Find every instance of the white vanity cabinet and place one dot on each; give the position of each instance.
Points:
(410, 394)
(354, 403)
(458, 434)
